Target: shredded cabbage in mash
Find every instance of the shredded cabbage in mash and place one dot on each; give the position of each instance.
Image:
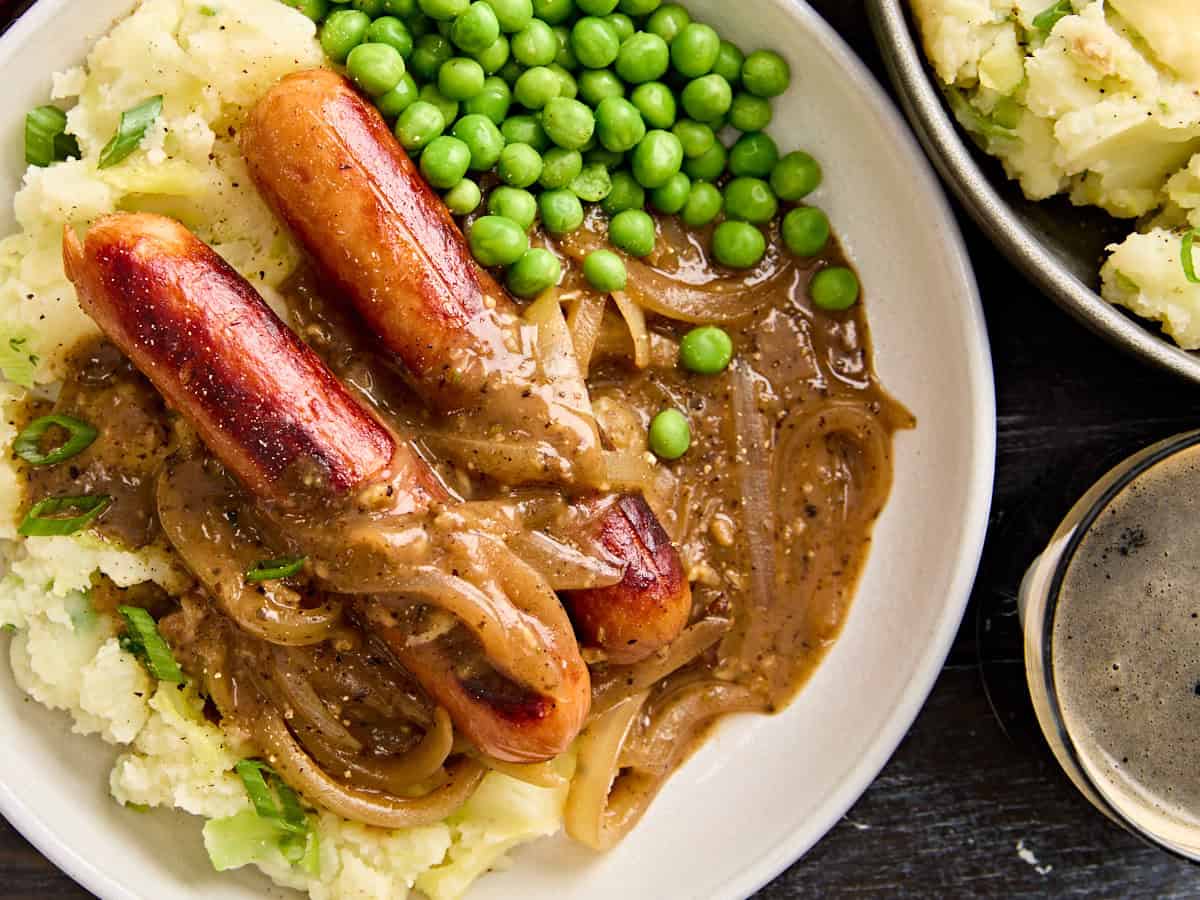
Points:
(1098, 100)
(210, 61)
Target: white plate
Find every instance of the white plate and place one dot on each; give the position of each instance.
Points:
(763, 790)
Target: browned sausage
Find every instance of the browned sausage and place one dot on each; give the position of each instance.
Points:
(328, 164)
(267, 406)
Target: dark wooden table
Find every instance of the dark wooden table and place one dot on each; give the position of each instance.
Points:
(973, 803)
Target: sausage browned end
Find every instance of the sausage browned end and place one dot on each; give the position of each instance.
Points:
(327, 162)
(264, 404)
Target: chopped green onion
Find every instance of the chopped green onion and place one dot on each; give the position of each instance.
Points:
(1188, 259)
(285, 811)
(46, 138)
(8, 628)
(1049, 17)
(130, 132)
(145, 642)
(28, 443)
(44, 519)
(274, 569)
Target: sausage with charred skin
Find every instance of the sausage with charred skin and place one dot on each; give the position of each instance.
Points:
(327, 163)
(268, 407)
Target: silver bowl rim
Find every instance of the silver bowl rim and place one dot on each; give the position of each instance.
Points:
(943, 142)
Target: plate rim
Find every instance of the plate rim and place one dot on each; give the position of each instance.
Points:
(942, 140)
(757, 872)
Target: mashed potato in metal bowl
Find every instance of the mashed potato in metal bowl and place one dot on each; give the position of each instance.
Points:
(210, 61)
(1100, 101)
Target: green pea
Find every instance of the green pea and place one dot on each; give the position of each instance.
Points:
(671, 197)
(344, 30)
(738, 245)
(460, 78)
(493, 101)
(602, 156)
(554, 12)
(445, 161)
(513, 15)
(751, 200)
(597, 85)
(566, 56)
(670, 435)
(430, 52)
(391, 31)
(694, 50)
(596, 7)
(625, 194)
(592, 184)
(729, 62)
(632, 231)
(750, 113)
(766, 73)
(753, 154)
(520, 165)
(536, 87)
(696, 138)
(806, 231)
(568, 123)
(707, 350)
(561, 211)
(399, 98)
(595, 42)
(483, 140)
(568, 86)
(525, 130)
(605, 271)
(404, 9)
(376, 68)
(619, 125)
(494, 57)
(314, 9)
(418, 125)
(638, 8)
(707, 98)
(513, 203)
(560, 167)
(497, 241)
(511, 71)
(536, 271)
(464, 198)
(710, 165)
(447, 107)
(667, 21)
(835, 289)
(704, 204)
(373, 8)
(657, 158)
(656, 103)
(622, 24)
(642, 58)
(444, 10)
(535, 44)
(796, 176)
(476, 29)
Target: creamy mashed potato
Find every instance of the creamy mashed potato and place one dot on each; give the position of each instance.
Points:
(1100, 101)
(210, 59)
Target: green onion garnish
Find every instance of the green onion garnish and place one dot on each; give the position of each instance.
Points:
(45, 519)
(274, 569)
(130, 132)
(285, 811)
(28, 443)
(143, 640)
(46, 138)
(1187, 258)
(1048, 18)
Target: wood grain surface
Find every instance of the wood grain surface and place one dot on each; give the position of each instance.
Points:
(972, 804)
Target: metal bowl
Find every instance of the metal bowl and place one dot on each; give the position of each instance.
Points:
(1060, 247)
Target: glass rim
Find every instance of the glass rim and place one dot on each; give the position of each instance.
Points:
(1124, 477)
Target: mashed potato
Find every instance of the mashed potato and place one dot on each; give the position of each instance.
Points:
(1100, 101)
(210, 61)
